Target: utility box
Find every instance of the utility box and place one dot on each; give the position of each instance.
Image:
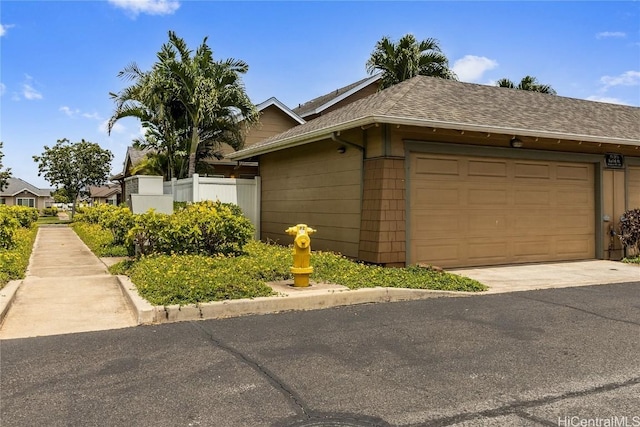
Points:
(144, 192)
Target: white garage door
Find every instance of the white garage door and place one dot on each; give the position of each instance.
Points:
(469, 211)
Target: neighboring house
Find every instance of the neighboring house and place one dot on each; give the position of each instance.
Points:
(338, 98)
(275, 118)
(20, 192)
(453, 174)
(110, 194)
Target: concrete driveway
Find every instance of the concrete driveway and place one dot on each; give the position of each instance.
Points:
(528, 277)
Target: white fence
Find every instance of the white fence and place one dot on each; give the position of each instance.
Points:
(243, 192)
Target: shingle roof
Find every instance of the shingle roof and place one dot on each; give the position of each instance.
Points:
(104, 191)
(318, 104)
(434, 102)
(17, 185)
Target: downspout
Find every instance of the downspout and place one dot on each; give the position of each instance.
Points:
(336, 138)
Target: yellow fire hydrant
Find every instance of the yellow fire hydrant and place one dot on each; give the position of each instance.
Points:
(301, 254)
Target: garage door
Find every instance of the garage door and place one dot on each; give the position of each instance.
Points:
(633, 187)
(468, 211)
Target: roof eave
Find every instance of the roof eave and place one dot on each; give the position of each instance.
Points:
(326, 132)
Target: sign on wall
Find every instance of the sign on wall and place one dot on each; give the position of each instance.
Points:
(614, 161)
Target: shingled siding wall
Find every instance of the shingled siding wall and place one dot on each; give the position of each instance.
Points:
(317, 186)
(382, 229)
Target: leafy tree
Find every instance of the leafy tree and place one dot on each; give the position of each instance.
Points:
(408, 58)
(74, 167)
(189, 103)
(60, 196)
(4, 174)
(527, 83)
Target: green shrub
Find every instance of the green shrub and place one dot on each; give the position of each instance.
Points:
(92, 214)
(119, 220)
(14, 261)
(51, 211)
(99, 240)
(24, 215)
(207, 228)
(8, 226)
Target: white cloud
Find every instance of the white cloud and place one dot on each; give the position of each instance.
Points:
(68, 111)
(3, 89)
(151, 7)
(117, 127)
(611, 34)
(628, 78)
(606, 99)
(30, 93)
(94, 116)
(4, 28)
(470, 68)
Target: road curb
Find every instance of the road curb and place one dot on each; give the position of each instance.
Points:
(301, 301)
(7, 296)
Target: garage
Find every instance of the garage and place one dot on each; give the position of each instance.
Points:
(471, 211)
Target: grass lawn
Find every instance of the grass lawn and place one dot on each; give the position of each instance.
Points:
(187, 279)
(634, 260)
(43, 220)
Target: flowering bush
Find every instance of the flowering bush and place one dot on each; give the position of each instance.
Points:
(14, 261)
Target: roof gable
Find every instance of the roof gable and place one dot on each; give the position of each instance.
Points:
(435, 102)
(321, 103)
(274, 101)
(16, 186)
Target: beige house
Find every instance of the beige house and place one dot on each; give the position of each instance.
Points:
(455, 174)
(109, 194)
(20, 192)
(275, 118)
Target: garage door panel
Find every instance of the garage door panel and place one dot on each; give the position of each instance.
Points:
(574, 173)
(573, 198)
(532, 197)
(437, 226)
(486, 168)
(487, 252)
(442, 253)
(576, 248)
(435, 166)
(532, 170)
(531, 248)
(500, 211)
(483, 225)
(486, 197)
(446, 196)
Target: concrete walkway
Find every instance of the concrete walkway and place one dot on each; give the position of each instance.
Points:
(67, 289)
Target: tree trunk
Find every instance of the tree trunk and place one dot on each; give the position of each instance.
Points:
(195, 141)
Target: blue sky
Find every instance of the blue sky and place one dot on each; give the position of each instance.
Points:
(60, 59)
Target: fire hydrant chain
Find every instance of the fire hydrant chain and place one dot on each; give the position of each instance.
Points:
(301, 269)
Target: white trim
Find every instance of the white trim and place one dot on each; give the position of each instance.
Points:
(274, 101)
(27, 190)
(373, 119)
(342, 96)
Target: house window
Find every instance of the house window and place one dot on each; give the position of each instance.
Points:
(29, 202)
(3, 201)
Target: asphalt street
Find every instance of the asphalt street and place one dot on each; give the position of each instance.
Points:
(551, 357)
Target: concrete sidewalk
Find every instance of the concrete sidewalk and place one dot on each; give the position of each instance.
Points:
(67, 289)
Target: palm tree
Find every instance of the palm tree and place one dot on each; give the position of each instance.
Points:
(211, 93)
(187, 101)
(527, 83)
(408, 58)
